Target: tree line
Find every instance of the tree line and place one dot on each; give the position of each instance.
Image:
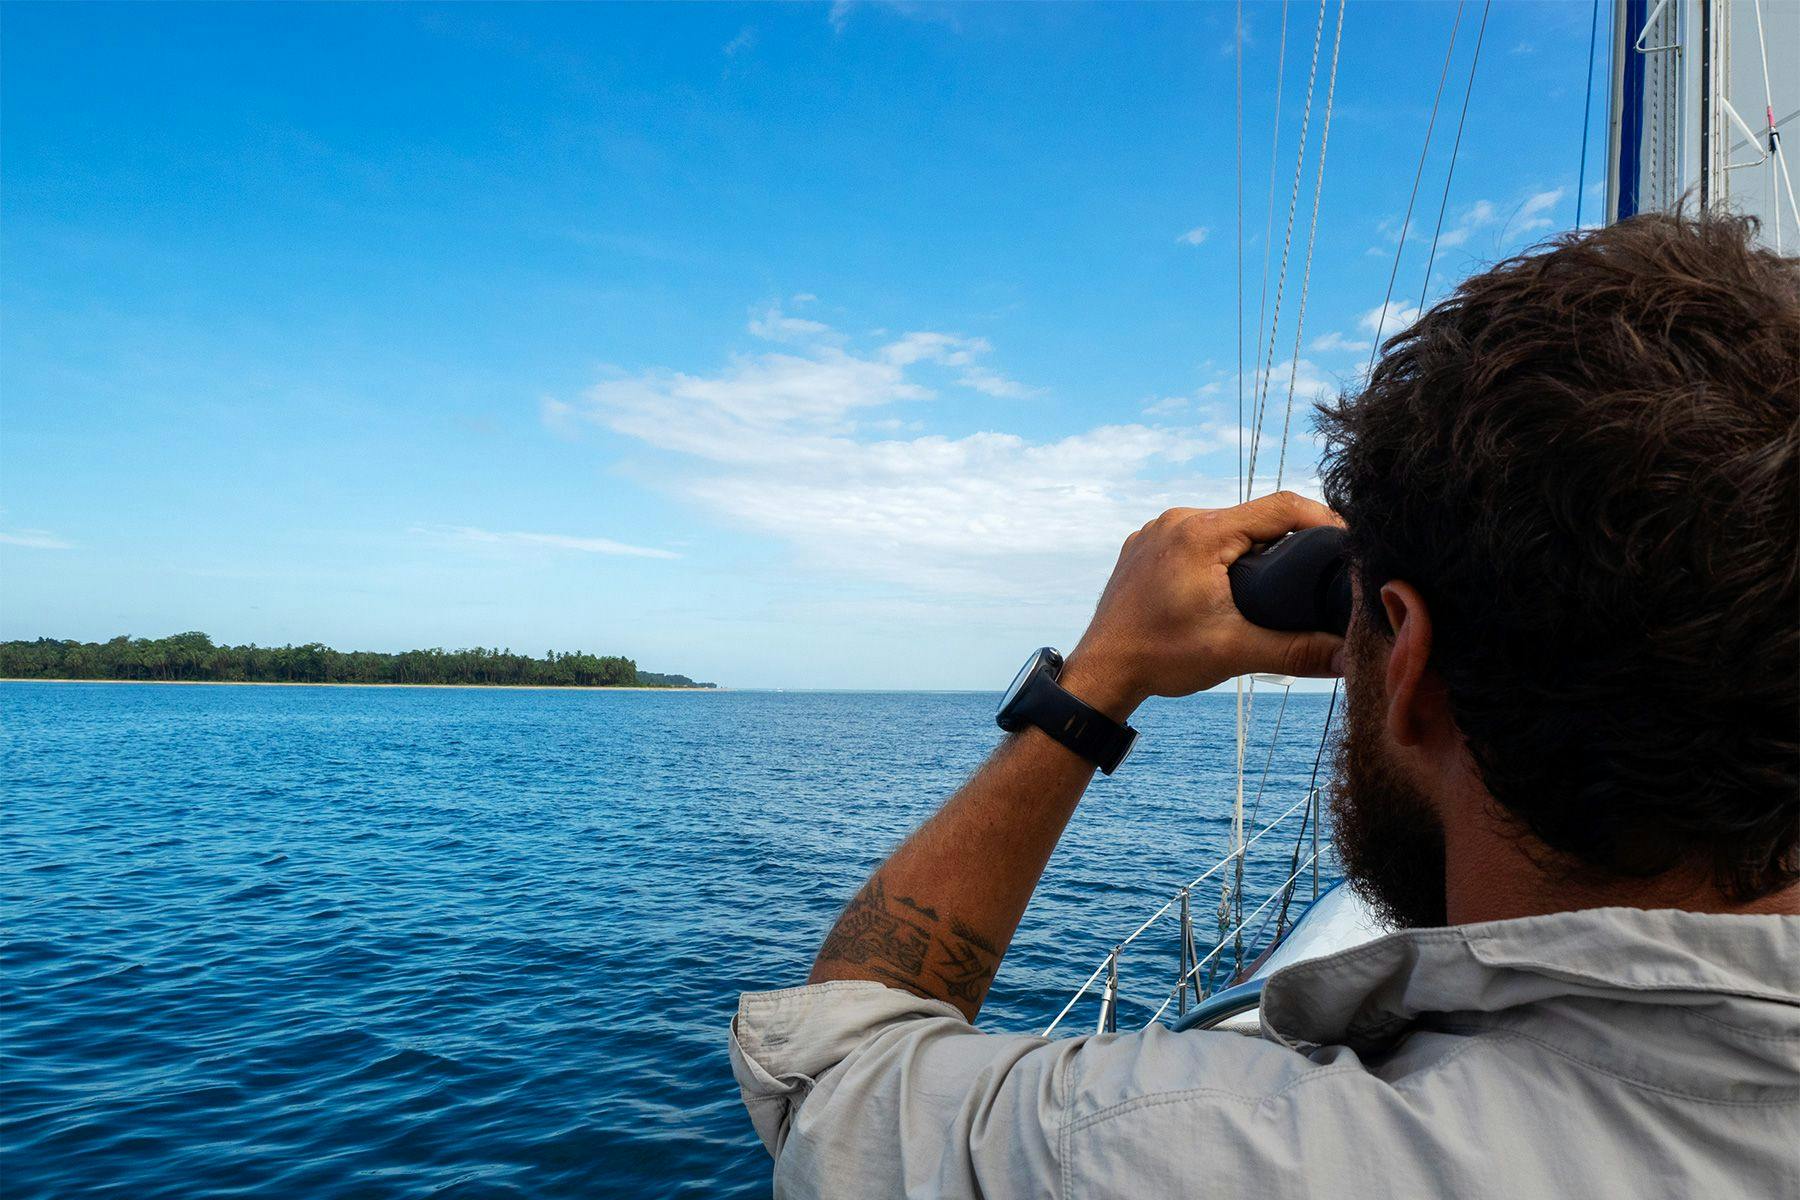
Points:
(194, 657)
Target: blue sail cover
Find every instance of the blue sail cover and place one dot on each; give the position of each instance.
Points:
(1631, 110)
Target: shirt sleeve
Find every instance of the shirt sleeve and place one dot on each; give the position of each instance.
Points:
(861, 1089)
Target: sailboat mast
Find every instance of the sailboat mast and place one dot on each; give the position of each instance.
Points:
(1675, 135)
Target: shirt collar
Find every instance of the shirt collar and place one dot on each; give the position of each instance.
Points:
(1366, 996)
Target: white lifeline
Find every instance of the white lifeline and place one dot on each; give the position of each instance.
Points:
(1604, 1053)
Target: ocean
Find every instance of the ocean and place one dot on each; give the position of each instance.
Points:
(386, 942)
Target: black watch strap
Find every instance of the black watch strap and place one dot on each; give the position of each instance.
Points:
(1073, 722)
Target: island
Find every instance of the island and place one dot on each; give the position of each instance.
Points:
(196, 658)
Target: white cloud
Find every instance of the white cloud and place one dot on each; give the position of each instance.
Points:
(991, 383)
(745, 40)
(1385, 320)
(470, 535)
(1531, 214)
(1528, 216)
(1310, 385)
(798, 446)
(933, 13)
(35, 539)
(1194, 236)
(773, 325)
(1337, 341)
(950, 350)
(1482, 217)
(945, 348)
(1165, 405)
(783, 403)
(1477, 216)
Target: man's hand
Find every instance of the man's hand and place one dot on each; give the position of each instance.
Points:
(1166, 624)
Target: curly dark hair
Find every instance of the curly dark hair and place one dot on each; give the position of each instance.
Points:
(1585, 459)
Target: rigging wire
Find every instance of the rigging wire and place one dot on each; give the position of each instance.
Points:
(1774, 139)
(1455, 147)
(1312, 812)
(1264, 371)
(1781, 160)
(1312, 237)
(1399, 250)
(1232, 895)
(1236, 900)
(1313, 816)
(1239, 39)
(1418, 174)
(1587, 110)
(1262, 303)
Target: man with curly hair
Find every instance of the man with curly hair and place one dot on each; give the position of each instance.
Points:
(1568, 777)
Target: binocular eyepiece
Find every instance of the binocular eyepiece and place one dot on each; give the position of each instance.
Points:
(1300, 584)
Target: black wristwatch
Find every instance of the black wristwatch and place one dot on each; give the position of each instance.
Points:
(1035, 698)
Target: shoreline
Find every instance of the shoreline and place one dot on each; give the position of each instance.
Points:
(494, 687)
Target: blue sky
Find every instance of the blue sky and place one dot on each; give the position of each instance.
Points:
(794, 346)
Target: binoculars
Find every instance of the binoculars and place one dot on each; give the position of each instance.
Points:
(1299, 584)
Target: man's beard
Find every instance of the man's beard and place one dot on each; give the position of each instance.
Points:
(1388, 833)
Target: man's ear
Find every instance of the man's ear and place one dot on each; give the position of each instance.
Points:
(1414, 701)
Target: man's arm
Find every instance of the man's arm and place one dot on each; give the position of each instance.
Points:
(936, 918)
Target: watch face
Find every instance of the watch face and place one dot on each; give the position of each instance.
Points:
(1019, 680)
(1040, 662)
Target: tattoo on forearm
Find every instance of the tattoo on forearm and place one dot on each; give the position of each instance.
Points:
(905, 943)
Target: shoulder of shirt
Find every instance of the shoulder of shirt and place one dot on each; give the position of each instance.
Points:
(1112, 1076)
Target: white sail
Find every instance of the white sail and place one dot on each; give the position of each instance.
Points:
(1702, 93)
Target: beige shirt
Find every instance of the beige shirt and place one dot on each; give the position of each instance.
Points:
(1607, 1053)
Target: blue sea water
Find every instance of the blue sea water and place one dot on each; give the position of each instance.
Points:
(366, 942)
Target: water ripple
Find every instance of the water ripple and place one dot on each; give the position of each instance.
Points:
(363, 943)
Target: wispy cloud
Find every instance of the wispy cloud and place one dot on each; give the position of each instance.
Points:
(1195, 236)
(1165, 405)
(1385, 320)
(1525, 217)
(472, 536)
(947, 348)
(1335, 341)
(1531, 215)
(1309, 384)
(772, 324)
(745, 40)
(992, 383)
(1494, 223)
(34, 539)
(799, 443)
(932, 13)
(1480, 215)
(1242, 34)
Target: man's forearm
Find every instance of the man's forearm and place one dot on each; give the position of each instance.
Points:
(936, 918)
